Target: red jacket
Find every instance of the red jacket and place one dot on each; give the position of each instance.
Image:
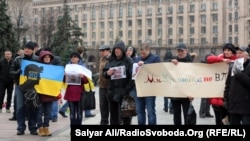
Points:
(74, 92)
(215, 59)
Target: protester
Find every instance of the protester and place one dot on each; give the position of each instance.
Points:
(103, 85)
(236, 94)
(44, 111)
(146, 104)
(118, 88)
(6, 81)
(73, 93)
(181, 104)
(227, 56)
(15, 70)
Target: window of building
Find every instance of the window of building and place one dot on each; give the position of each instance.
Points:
(215, 29)
(130, 33)
(120, 10)
(139, 22)
(170, 10)
(102, 34)
(230, 3)
(181, 40)
(111, 43)
(93, 35)
(230, 16)
(76, 18)
(129, 9)
(93, 44)
(159, 2)
(102, 42)
(149, 1)
(191, 41)
(93, 12)
(170, 20)
(149, 32)
(159, 10)
(120, 34)
(111, 35)
(84, 7)
(236, 40)
(180, 19)
(102, 12)
(111, 11)
(170, 41)
(84, 25)
(93, 25)
(139, 42)
(215, 17)
(84, 16)
(230, 39)
(191, 19)
(149, 22)
(230, 28)
(236, 29)
(149, 11)
(215, 6)
(203, 18)
(181, 31)
(191, 30)
(130, 23)
(139, 2)
(159, 21)
(180, 9)
(130, 42)
(139, 12)
(191, 8)
(203, 40)
(203, 29)
(170, 31)
(215, 40)
(159, 32)
(102, 25)
(203, 6)
(139, 33)
(111, 24)
(120, 24)
(236, 16)
(236, 3)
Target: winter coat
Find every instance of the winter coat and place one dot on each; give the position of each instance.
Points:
(119, 87)
(103, 82)
(15, 68)
(237, 91)
(215, 59)
(5, 71)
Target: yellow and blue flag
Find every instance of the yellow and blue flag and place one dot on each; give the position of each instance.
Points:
(45, 78)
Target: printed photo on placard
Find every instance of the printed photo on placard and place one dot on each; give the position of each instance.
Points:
(72, 79)
(119, 72)
(136, 68)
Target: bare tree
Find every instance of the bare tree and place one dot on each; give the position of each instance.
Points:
(47, 27)
(20, 12)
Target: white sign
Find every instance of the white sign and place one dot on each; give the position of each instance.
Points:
(78, 69)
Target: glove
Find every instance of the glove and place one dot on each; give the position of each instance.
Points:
(19, 71)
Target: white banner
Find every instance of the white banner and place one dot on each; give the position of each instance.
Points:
(182, 80)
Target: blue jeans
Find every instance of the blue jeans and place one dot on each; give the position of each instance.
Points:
(54, 110)
(20, 112)
(44, 114)
(64, 107)
(75, 113)
(142, 104)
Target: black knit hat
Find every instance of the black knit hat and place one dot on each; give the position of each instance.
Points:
(30, 45)
(230, 46)
(75, 54)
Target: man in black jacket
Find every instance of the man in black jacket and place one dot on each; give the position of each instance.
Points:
(118, 87)
(15, 70)
(6, 81)
(237, 92)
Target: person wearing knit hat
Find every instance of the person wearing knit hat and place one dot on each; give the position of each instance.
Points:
(228, 56)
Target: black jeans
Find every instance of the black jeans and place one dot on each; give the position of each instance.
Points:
(104, 106)
(9, 87)
(204, 107)
(179, 105)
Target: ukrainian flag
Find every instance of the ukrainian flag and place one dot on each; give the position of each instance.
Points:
(46, 78)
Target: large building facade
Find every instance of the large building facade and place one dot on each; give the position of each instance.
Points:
(163, 23)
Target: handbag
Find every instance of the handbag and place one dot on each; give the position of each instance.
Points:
(191, 115)
(128, 108)
(88, 100)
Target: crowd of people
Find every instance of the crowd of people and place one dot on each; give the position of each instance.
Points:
(231, 109)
